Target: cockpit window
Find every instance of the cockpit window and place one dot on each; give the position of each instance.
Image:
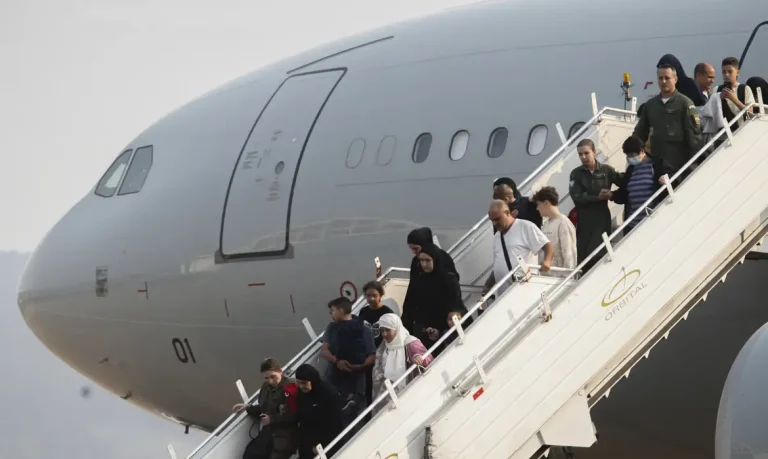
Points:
(137, 172)
(109, 181)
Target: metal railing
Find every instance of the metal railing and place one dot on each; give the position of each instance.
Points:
(458, 248)
(304, 355)
(522, 268)
(391, 394)
(549, 296)
(309, 350)
(649, 203)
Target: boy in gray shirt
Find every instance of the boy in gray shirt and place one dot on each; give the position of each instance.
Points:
(558, 229)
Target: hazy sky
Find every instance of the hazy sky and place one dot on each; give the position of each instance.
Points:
(43, 412)
(81, 78)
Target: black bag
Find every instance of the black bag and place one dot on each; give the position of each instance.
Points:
(261, 446)
(741, 94)
(506, 254)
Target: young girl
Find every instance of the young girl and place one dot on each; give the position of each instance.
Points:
(370, 315)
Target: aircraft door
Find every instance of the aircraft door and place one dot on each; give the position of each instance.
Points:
(753, 61)
(257, 209)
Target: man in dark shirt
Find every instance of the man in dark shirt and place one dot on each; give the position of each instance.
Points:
(505, 188)
(704, 75)
(348, 346)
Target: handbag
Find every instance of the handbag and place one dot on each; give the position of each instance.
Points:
(261, 446)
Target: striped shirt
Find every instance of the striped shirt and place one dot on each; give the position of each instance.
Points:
(639, 189)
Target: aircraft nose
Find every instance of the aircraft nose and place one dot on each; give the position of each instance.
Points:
(50, 290)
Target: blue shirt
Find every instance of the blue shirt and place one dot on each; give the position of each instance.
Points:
(639, 189)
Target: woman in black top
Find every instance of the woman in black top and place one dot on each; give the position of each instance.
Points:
(319, 412)
(421, 237)
(432, 294)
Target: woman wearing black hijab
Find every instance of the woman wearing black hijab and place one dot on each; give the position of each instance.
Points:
(685, 84)
(433, 293)
(319, 412)
(757, 82)
(421, 237)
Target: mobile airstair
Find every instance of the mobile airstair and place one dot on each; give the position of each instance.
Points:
(525, 375)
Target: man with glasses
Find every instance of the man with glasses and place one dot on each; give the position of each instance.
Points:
(639, 182)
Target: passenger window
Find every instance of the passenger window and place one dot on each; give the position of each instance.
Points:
(386, 150)
(421, 147)
(137, 172)
(355, 153)
(575, 128)
(109, 181)
(537, 139)
(459, 145)
(497, 143)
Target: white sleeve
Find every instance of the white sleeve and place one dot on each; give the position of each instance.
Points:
(535, 240)
(567, 244)
(749, 97)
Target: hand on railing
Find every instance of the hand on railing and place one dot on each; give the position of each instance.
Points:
(239, 408)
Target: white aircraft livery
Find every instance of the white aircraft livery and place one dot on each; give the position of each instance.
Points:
(222, 226)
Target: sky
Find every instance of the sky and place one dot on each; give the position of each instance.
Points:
(43, 410)
(81, 78)
(78, 80)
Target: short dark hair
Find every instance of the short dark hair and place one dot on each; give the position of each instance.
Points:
(700, 69)
(374, 285)
(731, 61)
(505, 181)
(270, 364)
(667, 66)
(546, 194)
(342, 303)
(632, 145)
(586, 143)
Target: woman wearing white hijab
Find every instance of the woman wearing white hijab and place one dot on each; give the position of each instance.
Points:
(397, 351)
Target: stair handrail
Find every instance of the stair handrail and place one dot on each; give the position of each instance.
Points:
(549, 294)
(300, 358)
(725, 131)
(563, 149)
(386, 395)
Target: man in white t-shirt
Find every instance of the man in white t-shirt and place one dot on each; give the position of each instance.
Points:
(521, 237)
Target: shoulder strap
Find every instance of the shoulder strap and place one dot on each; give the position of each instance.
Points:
(741, 93)
(504, 248)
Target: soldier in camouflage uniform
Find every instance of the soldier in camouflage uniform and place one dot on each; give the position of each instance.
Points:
(590, 189)
(672, 124)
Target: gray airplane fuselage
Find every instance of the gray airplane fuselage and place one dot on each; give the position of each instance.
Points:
(197, 280)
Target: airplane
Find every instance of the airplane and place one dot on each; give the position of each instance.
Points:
(221, 226)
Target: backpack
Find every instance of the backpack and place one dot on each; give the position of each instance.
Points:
(741, 94)
(261, 446)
